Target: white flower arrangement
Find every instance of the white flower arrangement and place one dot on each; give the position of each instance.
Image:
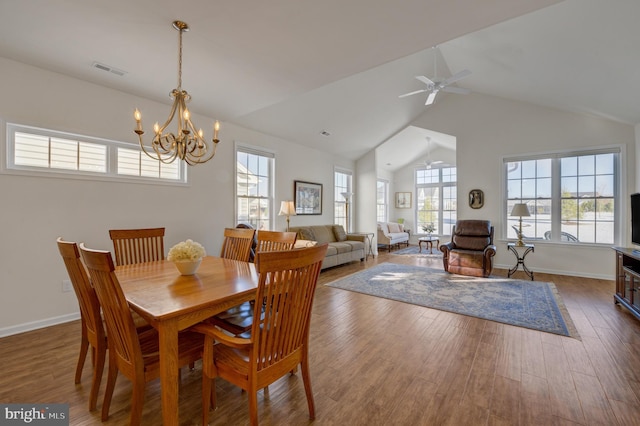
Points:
(186, 250)
(428, 228)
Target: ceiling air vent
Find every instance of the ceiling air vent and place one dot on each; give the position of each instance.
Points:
(325, 133)
(107, 68)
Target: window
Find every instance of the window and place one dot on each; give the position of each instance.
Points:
(342, 183)
(436, 199)
(35, 151)
(254, 188)
(382, 197)
(571, 197)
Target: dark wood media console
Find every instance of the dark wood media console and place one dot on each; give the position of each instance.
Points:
(628, 279)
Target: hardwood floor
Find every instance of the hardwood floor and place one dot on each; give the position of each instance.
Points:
(380, 362)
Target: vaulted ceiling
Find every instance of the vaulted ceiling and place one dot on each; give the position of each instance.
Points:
(293, 69)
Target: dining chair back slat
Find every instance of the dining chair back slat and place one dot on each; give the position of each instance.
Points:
(93, 332)
(137, 245)
(237, 244)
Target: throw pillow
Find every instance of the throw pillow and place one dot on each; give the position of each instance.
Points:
(306, 234)
(339, 233)
(304, 243)
(394, 228)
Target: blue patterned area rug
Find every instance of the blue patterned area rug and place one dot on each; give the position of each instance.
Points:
(531, 304)
(415, 251)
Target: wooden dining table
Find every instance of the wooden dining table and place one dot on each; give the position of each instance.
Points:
(171, 302)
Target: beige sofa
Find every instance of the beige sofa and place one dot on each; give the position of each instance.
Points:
(343, 247)
(391, 234)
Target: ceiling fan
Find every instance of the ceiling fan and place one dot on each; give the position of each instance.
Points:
(428, 162)
(434, 85)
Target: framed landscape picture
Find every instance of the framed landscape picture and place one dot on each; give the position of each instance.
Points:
(308, 197)
(403, 200)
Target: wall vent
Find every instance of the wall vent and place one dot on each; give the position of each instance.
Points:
(107, 68)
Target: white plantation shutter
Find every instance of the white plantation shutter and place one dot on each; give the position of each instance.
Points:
(37, 151)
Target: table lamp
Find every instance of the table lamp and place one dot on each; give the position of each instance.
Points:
(287, 208)
(520, 210)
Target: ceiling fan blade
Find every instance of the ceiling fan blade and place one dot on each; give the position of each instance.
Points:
(425, 80)
(458, 76)
(458, 90)
(413, 93)
(431, 98)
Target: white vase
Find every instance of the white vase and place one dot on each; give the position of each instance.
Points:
(187, 267)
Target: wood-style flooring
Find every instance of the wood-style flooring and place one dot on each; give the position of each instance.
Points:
(380, 362)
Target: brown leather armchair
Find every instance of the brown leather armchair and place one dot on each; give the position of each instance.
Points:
(471, 249)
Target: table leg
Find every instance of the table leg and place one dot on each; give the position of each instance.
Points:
(520, 261)
(420, 246)
(168, 336)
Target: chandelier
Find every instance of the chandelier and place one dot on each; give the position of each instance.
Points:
(187, 144)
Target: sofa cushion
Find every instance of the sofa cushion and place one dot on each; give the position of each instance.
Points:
(324, 234)
(342, 247)
(331, 251)
(338, 232)
(355, 245)
(383, 227)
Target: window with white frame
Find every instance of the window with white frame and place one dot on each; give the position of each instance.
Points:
(35, 151)
(436, 203)
(342, 184)
(382, 203)
(254, 188)
(571, 197)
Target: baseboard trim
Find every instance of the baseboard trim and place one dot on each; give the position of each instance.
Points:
(569, 273)
(34, 325)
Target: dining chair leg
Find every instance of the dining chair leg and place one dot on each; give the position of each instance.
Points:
(84, 348)
(111, 384)
(98, 368)
(206, 399)
(306, 379)
(137, 402)
(253, 407)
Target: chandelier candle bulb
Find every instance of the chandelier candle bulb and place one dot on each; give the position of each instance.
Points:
(138, 118)
(216, 127)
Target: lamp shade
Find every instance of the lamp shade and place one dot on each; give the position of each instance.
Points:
(287, 208)
(347, 195)
(520, 210)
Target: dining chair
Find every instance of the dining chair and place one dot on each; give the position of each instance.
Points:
(278, 343)
(137, 245)
(135, 354)
(93, 332)
(238, 319)
(237, 244)
(275, 240)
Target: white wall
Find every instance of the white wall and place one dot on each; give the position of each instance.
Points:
(487, 129)
(366, 197)
(34, 211)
